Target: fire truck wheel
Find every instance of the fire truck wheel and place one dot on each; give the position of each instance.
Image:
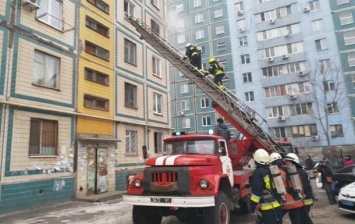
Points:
(220, 213)
(145, 215)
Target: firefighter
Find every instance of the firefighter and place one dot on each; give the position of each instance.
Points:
(193, 53)
(292, 203)
(263, 191)
(216, 69)
(303, 213)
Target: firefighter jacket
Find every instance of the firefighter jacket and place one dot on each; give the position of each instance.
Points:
(292, 199)
(215, 69)
(192, 51)
(263, 190)
(307, 187)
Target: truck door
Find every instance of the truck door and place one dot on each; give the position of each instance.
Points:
(226, 162)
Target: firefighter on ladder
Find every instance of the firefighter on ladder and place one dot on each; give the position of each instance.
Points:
(216, 69)
(193, 53)
(304, 218)
(263, 191)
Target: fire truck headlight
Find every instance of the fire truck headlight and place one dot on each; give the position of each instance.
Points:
(137, 183)
(203, 184)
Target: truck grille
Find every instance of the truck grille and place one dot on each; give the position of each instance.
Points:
(166, 181)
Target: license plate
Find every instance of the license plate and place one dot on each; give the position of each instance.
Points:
(160, 200)
(348, 203)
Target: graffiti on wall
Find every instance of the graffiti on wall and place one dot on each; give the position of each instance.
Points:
(58, 185)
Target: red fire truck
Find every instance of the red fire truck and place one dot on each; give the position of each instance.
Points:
(201, 178)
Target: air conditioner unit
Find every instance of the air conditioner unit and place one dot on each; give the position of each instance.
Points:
(315, 138)
(286, 33)
(270, 59)
(285, 56)
(272, 21)
(31, 4)
(240, 12)
(282, 118)
(182, 113)
(302, 73)
(241, 30)
(293, 97)
(306, 9)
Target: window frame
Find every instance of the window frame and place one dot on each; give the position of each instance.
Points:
(100, 52)
(247, 77)
(131, 138)
(97, 25)
(130, 52)
(206, 121)
(130, 97)
(95, 74)
(338, 130)
(104, 7)
(249, 96)
(157, 103)
(128, 8)
(205, 102)
(41, 140)
(95, 101)
(41, 14)
(156, 67)
(43, 66)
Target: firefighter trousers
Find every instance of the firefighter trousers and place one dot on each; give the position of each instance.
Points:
(272, 216)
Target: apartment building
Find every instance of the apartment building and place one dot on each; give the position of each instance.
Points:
(206, 24)
(142, 107)
(37, 101)
(290, 69)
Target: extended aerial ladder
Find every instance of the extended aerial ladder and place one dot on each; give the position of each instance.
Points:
(241, 116)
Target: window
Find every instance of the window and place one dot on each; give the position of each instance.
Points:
(131, 142)
(351, 59)
(199, 18)
(321, 44)
(130, 97)
(249, 96)
(285, 69)
(239, 7)
(43, 137)
(155, 26)
(341, 2)
(200, 34)
(181, 23)
(336, 130)
(349, 38)
(353, 82)
(158, 142)
(328, 85)
(302, 108)
(304, 130)
(157, 105)
(197, 3)
(243, 41)
(241, 24)
(185, 105)
(100, 4)
(346, 18)
(332, 108)
(218, 13)
(185, 122)
(51, 12)
(96, 50)
(98, 27)
(128, 8)
(184, 88)
(324, 65)
(155, 3)
(181, 38)
(46, 71)
(179, 8)
(317, 25)
(314, 5)
(280, 132)
(96, 76)
(205, 102)
(247, 77)
(219, 29)
(221, 46)
(278, 111)
(156, 66)
(96, 102)
(245, 58)
(130, 52)
(206, 121)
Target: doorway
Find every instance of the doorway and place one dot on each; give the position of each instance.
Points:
(97, 170)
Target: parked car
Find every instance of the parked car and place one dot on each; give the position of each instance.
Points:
(343, 177)
(346, 198)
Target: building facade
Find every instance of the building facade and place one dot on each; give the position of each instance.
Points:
(204, 23)
(37, 101)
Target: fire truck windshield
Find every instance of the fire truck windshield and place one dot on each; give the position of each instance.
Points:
(191, 147)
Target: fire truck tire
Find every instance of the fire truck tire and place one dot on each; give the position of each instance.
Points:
(145, 215)
(220, 213)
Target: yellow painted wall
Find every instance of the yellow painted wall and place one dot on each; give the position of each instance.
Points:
(86, 124)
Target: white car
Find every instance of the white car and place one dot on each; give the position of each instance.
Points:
(346, 198)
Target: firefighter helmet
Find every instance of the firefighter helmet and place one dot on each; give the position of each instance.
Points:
(211, 60)
(261, 156)
(274, 156)
(292, 157)
(188, 44)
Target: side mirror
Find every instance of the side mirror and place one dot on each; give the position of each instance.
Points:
(222, 151)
